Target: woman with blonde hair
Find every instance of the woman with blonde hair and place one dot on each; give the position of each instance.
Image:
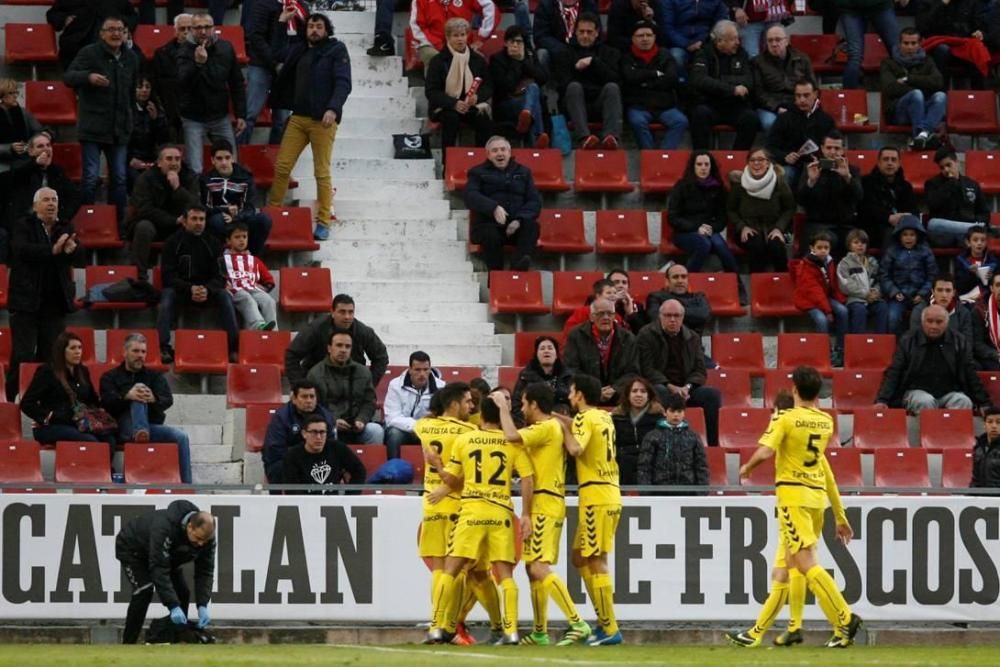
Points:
(760, 209)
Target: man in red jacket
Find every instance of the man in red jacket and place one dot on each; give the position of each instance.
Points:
(818, 294)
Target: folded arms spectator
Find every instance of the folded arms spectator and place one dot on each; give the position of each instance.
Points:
(650, 89)
(345, 388)
(913, 90)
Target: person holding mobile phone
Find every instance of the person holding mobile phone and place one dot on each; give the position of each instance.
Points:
(829, 195)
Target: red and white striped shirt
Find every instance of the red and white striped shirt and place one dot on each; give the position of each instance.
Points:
(245, 272)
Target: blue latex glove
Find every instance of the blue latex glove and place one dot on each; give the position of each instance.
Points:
(203, 617)
(178, 616)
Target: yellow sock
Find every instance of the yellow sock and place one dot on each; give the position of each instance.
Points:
(435, 578)
(509, 592)
(453, 590)
(442, 590)
(772, 607)
(487, 596)
(796, 599)
(588, 583)
(830, 599)
(557, 589)
(540, 605)
(604, 603)
(468, 597)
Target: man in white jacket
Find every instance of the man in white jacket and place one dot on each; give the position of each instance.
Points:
(407, 400)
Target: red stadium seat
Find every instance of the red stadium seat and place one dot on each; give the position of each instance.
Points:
(30, 43)
(252, 383)
(739, 351)
(887, 127)
(623, 232)
(601, 171)
(51, 102)
(151, 37)
(972, 112)
(22, 462)
(507, 376)
(25, 374)
(414, 455)
(152, 463)
(644, 283)
(984, 168)
(846, 465)
(956, 468)
(86, 335)
(742, 427)
(291, 229)
(903, 467)
(264, 347)
(868, 351)
(516, 292)
(115, 347)
(570, 289)
(769, 294)
(875, 53)
(200, 351)
(260, 159)
(721, 291)
(234, 35)
(880, 429)
(257, 417)
(659, 170)
(103, 275)
(10, 417)
(855, 389)
(865, 160)
(775, 379)
(306, 290)
(734, 385)
(667, 246)
(762, 475)
(942, 429)
(524, 345)
(801, 349)
(69, 157)
(4, 346)
(83, 462)
(695, 418)
(382, 388)
(459, 373)
(718, 474)
(546, 165)
(460, 159)
(843, 105)
(96, 226)
(991, 383)
(372, 456)
(730, 161)
(411, 61)
(561, 231)
(492, 45)
(97, 371)
(919, 167)
(818, 48)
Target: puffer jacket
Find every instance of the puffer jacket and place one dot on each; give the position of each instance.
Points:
(405, 404)
(346, 391)
(560, 380)
(985, 463)
(856, 277)
(774, 79)
(812, 288)
(673, 455)
(691, 206)
(912, 271)
(714, 75)
(652, 86)
(628, 438)
(513, 188)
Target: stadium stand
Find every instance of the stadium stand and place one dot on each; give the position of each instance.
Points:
(22, 464)
(901, 468)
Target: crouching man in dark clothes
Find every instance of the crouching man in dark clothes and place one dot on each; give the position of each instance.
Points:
(152, 548)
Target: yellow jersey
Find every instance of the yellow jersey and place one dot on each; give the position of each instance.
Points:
(544, 443)
(799, 437)
(486, 461)
(597, 466)
(438, 434)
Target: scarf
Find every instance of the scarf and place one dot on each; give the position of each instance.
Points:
(298, 20)
(603, 346)
(911, 61)
(707, 183)
(759, 188)
(950, 306)
(636, 416)
(459, 75)
(569, 16)
(645, 56)
(993, 321)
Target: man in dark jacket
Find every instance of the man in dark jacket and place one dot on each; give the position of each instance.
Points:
(602, 349)
(160, 198)
(28, 176)
(152, 547)
(138, 398)
(78, 23)
(554, 25)
(775, 72)
(803, 121)
(321, 460)
(284, 431)
(163, 73)
(961, 319)
(503, 196)
(672, 358)
(830, 194)
(721, 89)
(697, 310)
(265, 38)
(932, 368)
(40, 286)
(955, 202)
(518, 78)
(104, 76)
(345, 388)
(193, 274)
(913, 90)
(887, 197)
(986, 453)
(210, 80)
(650, 89)
(229, 193)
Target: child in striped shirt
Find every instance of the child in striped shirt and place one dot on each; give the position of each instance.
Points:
(248, 281)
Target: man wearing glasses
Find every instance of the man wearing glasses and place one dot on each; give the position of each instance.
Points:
(775, 71)
(324, 463)
(603, 349)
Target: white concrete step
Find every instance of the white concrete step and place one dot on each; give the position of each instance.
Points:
(217, 473)
(417, 331)
(368, 168)
(359, 209)
(423, 310)
(447, 355)
(391, 249)
(415, 190)
(201, 434)
(347, 23)
(369, 230)
(196, 409)
(383, 107)
(216, 453)
(387, 270)
(368, 291)
(390, 87)
(355, 147)
(369, 125)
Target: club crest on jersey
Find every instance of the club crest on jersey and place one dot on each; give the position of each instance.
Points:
(320, 472)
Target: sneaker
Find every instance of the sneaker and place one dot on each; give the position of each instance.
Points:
(590, 142)
(432, 637)
(610, 143)
(321, 233)
(852, 627)
(788, 638)
(266, 326)
(523, 121)
(835, 641)
(837, 358)
(919, 142)
(167, 354)
(496, 634)
(577, 632)
(140, 435)
(384, 46)
(742, 639)
(542, 140)
(462, 636)
(601, 638)
(537, 639)
(508, 640)
(933, 142)
(357, 6)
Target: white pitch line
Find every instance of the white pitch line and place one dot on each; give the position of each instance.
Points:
(483, 656)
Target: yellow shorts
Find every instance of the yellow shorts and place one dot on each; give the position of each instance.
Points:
(435, 531)
(484, 535)
(799, 527)
(595, 529)
(543, 545)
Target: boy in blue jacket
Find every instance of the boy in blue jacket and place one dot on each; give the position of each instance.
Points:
(907, 272)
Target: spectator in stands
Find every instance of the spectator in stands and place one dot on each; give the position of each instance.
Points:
(830, 193)
(955, 202)
(760, 208)
(986, 453)
(587, 76)
(817, 293)
(216, 9)
(17, 126)
(932, 368)
(637, 414)
(757, 17)
(602, 348)
(317, 93)
(686, 27)
(104, 76)
(804, 121)
(138, 398)
(913, 91)
(554, 25)
(961, 320)
(503, 196)
(776, 70)
(986, 326)
(149, 131)
(163, 72)
(545, 366)
(887, 197)
(408, 399)
(650, 89)
(40, 286)
(517, 80)
(284, 431)
(601, 289)
(58, 392)
(345, 388)
(309, 346)
(160, 200)
(632, 312)
(322, 461)
(721, 89)
(429, 25)
(384, 42)
(672, 454)
(271, 26)
(975, 266)
(958, 24)
(671, 357)
(193, 275)
(988, 23)
(623, 15)
(78, 23)
(228, 192)
(906, 274)
(210, 81)
(857, 275)
(248, 281)
(38, 171)
(697, 310)
(855, 15)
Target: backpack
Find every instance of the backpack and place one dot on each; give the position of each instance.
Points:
(165, 631)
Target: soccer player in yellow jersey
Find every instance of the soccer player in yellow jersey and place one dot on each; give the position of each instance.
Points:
(543, 440)
(798, 438)
(481, 466)
(591, 441)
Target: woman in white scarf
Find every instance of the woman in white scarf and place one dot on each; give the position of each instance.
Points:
(761, 206)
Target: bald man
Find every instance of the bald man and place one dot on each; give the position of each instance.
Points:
(932, 368)
(672, 358)
(152, 548)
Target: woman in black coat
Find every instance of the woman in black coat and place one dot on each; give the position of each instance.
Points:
(636, 415)
(697, 213)
(547, 367)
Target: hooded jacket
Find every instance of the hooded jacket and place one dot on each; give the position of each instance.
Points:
(404, 404)
(207, 88)
(857, 276)
(189, 259)
(910, 271)
(672, 455)
(911, 354)
(347, 391)
(309, 348)
(881, 199)
(774, 79)
(119, 381)
(813, 289)
(329, 78)
(654, 355)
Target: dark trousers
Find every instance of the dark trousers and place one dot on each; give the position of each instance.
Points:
(762, 253)
(137, 572)
(709, 400)
(742, 117)
(218, 299)
(32, 337)
(492, 237)
(140, 248)
(452, 121)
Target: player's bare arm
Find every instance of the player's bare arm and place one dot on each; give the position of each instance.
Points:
(527, 500)
(506, 419)
(762, 454)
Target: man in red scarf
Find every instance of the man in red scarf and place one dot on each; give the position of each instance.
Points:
(649, 89)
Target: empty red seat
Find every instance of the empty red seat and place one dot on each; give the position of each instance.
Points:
(762, 475)
(524, 345)
(25, 374)
(260, 159)
(22, 462)
(942, 429)
(546, 165)
(252, 383)
(234, 35)
(103, 275)
(956, 468)
(742, 427)
(4, 347)
(601, 171)
(730, 160)
(876, 429)
(30, 43)
(739, 351)
(96, 226)
(623, 232)
(10, 418)
(382, 388)
(51, 102)
(770, 295)
(868, 351)
(718, 473)
(459, 373)
(818, 48)
(570, 289)
(887, 125)
(115, 347)
(972, 112)
(507, 376)
(70, 158)
(659, 170)
(775, 379)
(291, 229)
(411, 61)
(854, 389)
(372, 456)
(875, 53)
(264, 347)
(306, 290)
(151, 37)
(843, 104)
(918, 167)
(643, 283)
(991, 383)
(667, 245)
(984, 168)
(460, 159)
(414, 455)
(863, 159)
(83, 463)
(734, 385)
(516, 292)
(846, 465)
(721, 291)
(152, 463)
(903, 467)
(86, 335)
(257, 417)
(800, 349)
(200, 351)
(561, 231)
